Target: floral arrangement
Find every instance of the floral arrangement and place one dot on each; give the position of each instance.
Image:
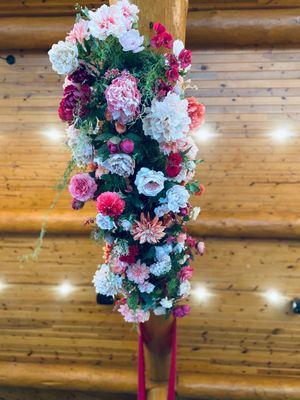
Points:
(129, 126)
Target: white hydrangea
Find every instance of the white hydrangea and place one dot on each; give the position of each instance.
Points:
(149, 182)
(146, 287)
(63, 57)
(184, 289)
(80, 145)
(106, 282)
(164, 124)
(161, 252)
(161, 267)
(177, 197)
(166, 303)
(126, 225)
(161, 210)
(159, 311)
(105, 222)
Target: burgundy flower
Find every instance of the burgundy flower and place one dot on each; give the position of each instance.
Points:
(162, 38)
(185, 58)
(127, 146)
(172, 60)
(163, 88)
(174, 166)
(130, 258)
(77, 204)
(74, 102)
(172, 74)
(159, 28)
(112, 147)
(181, 311)
(82, 76)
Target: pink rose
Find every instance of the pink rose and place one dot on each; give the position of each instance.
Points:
(186, 273)
(201, 248)
(127, 146)
(82, 187)
(196, 113)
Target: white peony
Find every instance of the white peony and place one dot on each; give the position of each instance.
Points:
(63, 57)
(184, 289)
(105, 222)
(149, 182)
(132, 41)
(167, 120)
(106, 282)
(129, 11)
(80, 145)
(177, 197)
(120, 164)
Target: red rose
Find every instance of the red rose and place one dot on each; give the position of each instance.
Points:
(110, 203)
(185, 58)
(173, 171)
(174, 159)
(174, 166)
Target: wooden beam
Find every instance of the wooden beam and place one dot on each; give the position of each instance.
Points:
(238, 387)
(67, 377)
(204, 28)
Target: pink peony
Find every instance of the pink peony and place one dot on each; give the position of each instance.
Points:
(127, 146)
(196, 113)
(82, 187)
(79, 32)
(110, 203)
(181, 311)
(123, 98)
(138, 272)
(186, 273)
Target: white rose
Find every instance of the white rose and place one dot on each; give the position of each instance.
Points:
(120, 164)
(178, 46)
(149, 182)
(177, 198)
(105, 222)
(166, 303)
(163, 124)
(63, 57)
(132, 41)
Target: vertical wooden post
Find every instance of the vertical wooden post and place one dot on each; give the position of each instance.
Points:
(157, 331)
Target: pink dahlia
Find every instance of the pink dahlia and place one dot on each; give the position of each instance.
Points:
(123, 98)
(110, 203)
(138, 272)
(196, 113)
(137, 316)
(82, 187)
(148, 230)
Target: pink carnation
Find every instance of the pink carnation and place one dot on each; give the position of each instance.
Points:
(82, 187)
(196, 113)
(138, 272)
(111, 204)
(186, 273)
(123, 98)
(79, 32)
(181, 311)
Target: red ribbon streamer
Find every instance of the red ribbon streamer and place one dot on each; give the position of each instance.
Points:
(141, 365)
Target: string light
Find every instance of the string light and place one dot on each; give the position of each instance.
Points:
(65, 288)
(201, 293)
(274, 297)
(53, 134)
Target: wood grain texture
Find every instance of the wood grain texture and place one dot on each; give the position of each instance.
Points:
(252, 180)
(236, 331)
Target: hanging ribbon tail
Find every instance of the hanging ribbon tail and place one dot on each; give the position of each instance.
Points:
(172, 375)
(141, 367)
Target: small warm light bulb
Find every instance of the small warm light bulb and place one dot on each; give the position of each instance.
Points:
(53, 134)
(281, 134)
(2, 285)
(274, 297)
(65, 288)
(201, 293)
(203, 134)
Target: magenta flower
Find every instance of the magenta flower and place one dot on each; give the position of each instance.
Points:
(127, 146)
(74, 102)
(186, 273)
(181, 311)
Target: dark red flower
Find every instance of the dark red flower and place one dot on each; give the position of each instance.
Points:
(185, 58)
(130, 258)
(74, 102)
(159, 28)
(162, 38)
(82, 76)
(174, 166)
(173, 171)
(174, 159)
(172, 60)
(163, 88)
(172, 74)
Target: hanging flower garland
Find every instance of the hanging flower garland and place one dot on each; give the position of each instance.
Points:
(129, 124)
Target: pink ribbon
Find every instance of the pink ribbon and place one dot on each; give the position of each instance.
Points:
(141, 365)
